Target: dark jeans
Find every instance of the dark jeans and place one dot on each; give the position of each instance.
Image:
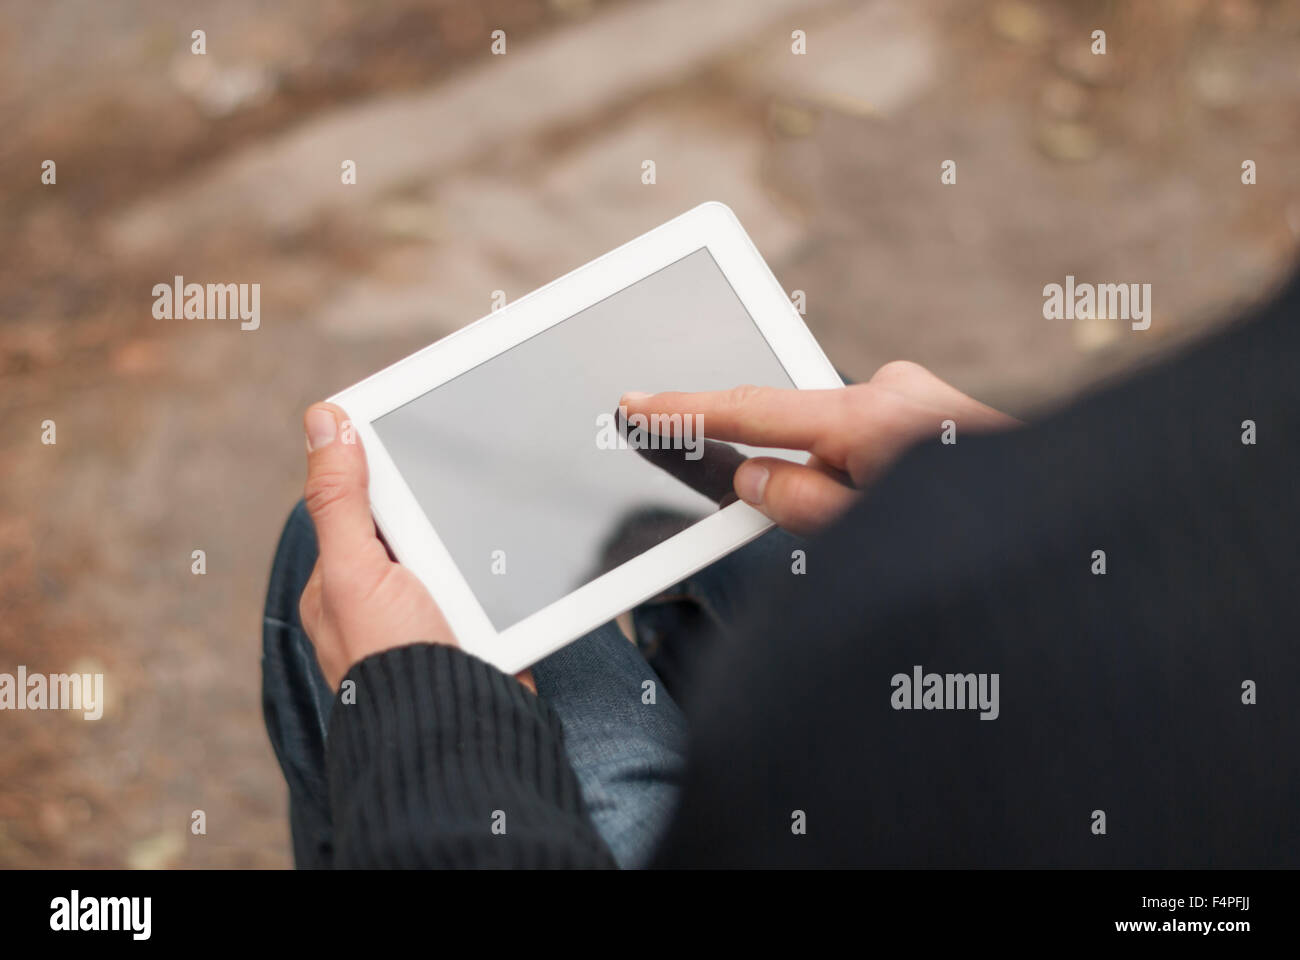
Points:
(628, 755)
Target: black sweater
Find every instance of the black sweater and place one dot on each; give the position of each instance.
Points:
(1120, 694)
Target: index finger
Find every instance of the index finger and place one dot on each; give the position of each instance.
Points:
(759, 416)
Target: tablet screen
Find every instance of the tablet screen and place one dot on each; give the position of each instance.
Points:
(518, 462)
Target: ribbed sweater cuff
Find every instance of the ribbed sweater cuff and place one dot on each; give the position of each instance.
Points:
(436, 758)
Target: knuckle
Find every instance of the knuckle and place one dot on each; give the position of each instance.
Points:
(744, 395)
(795, 489)
(325, 489)
(899, 371)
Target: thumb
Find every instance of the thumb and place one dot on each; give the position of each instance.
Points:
(337, 491)
(794, 496)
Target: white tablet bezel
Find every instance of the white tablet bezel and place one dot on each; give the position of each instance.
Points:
(413, 539)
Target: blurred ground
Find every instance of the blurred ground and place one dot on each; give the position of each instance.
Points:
(478, 173)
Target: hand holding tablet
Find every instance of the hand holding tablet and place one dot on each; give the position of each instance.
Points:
(357, 600)
(487, 474)
(507, 488)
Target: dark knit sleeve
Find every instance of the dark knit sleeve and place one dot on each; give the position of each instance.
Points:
(437, 759)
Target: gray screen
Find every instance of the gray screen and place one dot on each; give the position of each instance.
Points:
(505, 459)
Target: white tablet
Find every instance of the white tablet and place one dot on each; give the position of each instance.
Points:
(492, 472)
